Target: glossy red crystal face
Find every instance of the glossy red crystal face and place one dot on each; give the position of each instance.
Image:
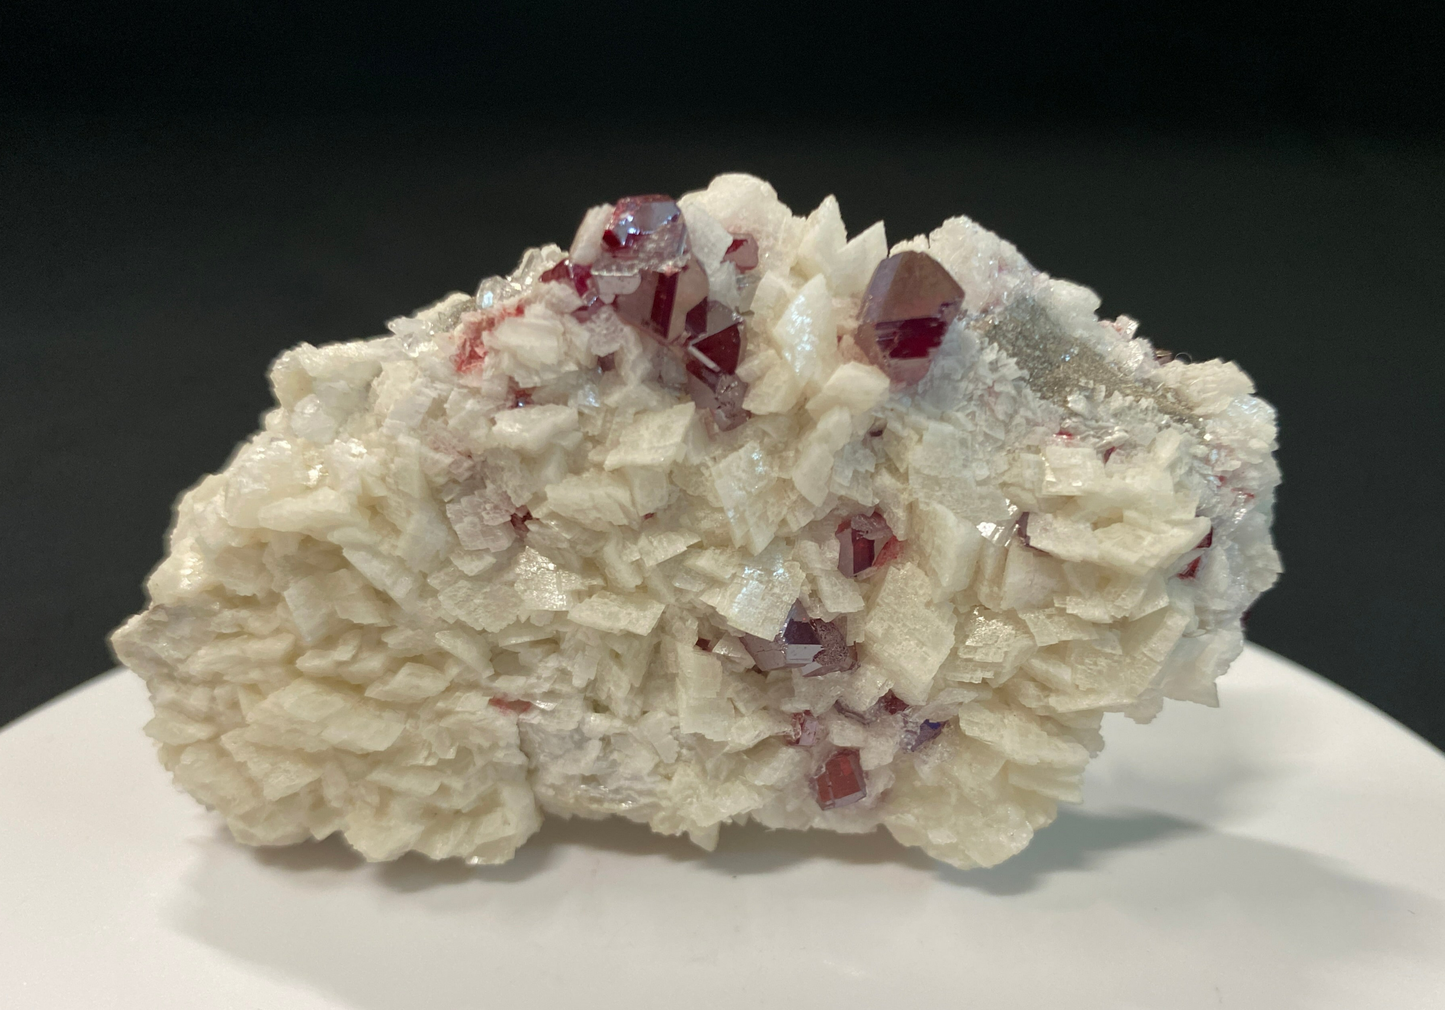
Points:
(841, 781)
(863, 542)
(661, 301)
(742, 253)
(811, 646)
(911, 300)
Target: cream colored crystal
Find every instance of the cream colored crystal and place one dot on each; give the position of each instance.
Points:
(411, 611)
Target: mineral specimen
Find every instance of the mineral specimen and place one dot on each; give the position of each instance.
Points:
(717, 516)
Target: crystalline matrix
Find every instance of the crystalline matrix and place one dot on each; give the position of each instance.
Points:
(716, 516)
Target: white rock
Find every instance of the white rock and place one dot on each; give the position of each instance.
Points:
(413, 613)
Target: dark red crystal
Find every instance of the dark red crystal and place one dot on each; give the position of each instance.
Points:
(1207, 542)
(841, 781)
(1192, 569)
(861, 539)
(911, 300)
(892, 704)
(742, 252)
(715, 338)
(519, 522)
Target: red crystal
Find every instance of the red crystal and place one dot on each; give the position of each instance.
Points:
(519, 522)
(1192, 569)
(660, 303)
(514, 705)
(841, 781)
(704, 644)
(646, 227)
(911, 300)
(859, 540)
(892, 704)
(813, 647)
(742, 252)
(1207, 542)
(715, 339)
(806, 729)
(606, 362)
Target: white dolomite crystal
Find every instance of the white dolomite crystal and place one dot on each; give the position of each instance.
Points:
(719, 516)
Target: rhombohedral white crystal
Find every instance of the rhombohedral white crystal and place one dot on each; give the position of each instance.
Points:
(716, 516)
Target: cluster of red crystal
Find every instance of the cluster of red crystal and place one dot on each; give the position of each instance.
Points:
(811, 646)
(841, 781)
(865, 543)
(648, 273)
(910, 302)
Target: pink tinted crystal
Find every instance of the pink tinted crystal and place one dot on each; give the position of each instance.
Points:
(806, 729)
(646, 231)
(860, 541)
(715, 338)
(742, 252)
(811, 646)
(841, 781)
(662, 299)
(910, 302)
(720, 397)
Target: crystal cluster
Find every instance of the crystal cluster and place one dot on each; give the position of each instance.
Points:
(718, 515)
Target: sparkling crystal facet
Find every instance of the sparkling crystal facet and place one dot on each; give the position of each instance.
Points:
(811, 646)
(841, 781)
(910, 302)
(914, 737)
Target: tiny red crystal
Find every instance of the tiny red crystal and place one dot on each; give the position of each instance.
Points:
(514, 705)
(742, 252)
(862, 542)
(841, 781)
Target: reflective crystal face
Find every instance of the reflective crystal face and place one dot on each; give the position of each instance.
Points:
(644, 233)
(660, 302)
(813, 647)
(742, 252)
(910, 302)
(916, 736)
(841, 780)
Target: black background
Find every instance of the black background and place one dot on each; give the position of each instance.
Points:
(187, 190)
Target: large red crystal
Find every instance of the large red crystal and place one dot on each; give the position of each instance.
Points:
(662, 299)
(910, 302)
(841, 781)
(861, 543)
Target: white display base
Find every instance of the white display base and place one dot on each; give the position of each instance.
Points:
(1284, 851)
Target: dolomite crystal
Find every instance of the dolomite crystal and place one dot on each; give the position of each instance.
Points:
(717, 516)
